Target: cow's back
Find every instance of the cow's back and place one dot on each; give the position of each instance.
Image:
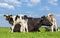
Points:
(32, 23)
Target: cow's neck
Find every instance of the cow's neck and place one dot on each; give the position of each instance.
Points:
(11, 21)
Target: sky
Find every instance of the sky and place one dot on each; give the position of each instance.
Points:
(32, 8)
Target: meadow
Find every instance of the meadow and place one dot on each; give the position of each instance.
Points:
(4, 33)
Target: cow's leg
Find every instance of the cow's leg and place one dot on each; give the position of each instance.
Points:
(24, 29)
(12, 28)
(56, 27)
(26, 26)
(21, 29)
(52, 28)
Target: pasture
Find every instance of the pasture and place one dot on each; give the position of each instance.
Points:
(4, 33)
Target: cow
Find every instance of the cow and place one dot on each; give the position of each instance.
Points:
(10, 18)
(35, 23)
(53, 21)
(23, 19)
(16, 20)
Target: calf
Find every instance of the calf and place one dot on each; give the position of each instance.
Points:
(23, 21)
(10, 19)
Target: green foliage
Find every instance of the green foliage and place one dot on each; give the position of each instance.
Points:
(4, 33)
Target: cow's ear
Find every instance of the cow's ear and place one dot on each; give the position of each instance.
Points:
(10, 16)
(17, 16)
(4, 16)
(25, 16)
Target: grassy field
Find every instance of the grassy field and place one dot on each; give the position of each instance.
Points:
(4, 33)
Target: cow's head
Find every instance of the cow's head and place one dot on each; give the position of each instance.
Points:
(9, 18)
(44, 21)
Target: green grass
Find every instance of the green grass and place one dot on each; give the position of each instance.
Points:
(4, 33)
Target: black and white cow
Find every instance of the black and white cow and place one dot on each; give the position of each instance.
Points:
(10, 18)
(35, 23)
(16, 20)
(23, 21)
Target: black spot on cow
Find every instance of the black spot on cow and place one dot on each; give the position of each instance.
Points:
(17, 28)
(24, 17)
(17, 17)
